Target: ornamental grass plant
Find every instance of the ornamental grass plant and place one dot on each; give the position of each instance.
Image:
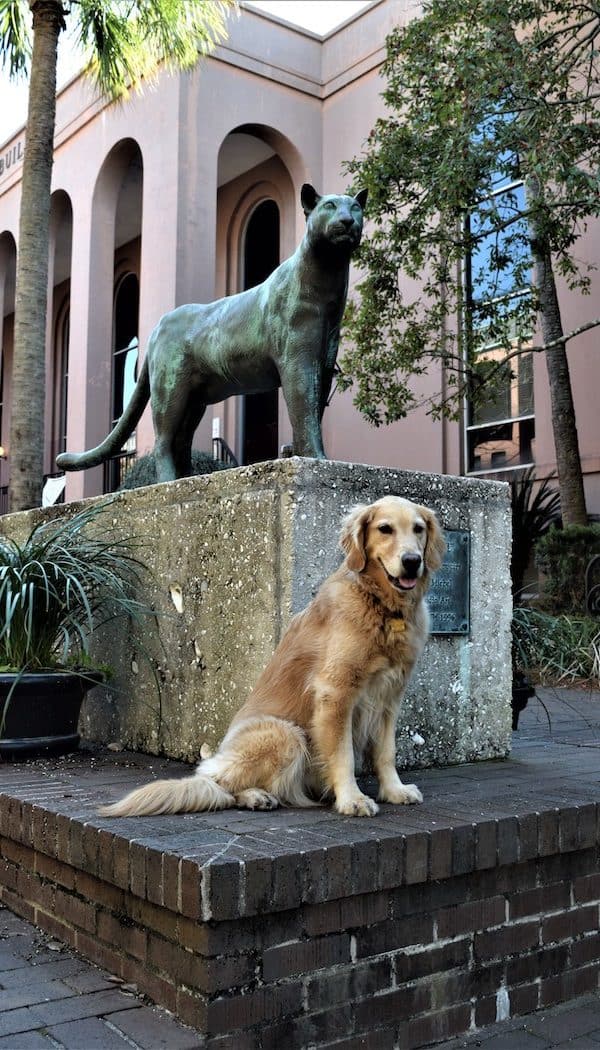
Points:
(68, 578)
(557, 650)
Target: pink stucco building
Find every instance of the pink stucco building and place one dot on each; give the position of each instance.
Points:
(191, 191)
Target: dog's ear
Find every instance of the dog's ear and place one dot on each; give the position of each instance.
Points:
(353, 536)
(309, 198)
(436, 546)
(361, 197)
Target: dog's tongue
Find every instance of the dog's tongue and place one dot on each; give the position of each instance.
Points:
(407, 585)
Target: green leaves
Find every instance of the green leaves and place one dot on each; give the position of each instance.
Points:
(68, 577)
(125, 41)
(128, 41)
(15, 41)
(481, 95)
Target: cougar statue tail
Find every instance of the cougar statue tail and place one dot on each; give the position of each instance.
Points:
(118, 435)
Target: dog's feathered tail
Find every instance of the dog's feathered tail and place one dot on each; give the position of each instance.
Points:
(192, 795)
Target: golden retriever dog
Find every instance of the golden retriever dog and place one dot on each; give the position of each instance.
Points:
(333, 687)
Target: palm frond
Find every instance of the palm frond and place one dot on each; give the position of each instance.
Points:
(15, 35)
(535, 507)
(126, 42)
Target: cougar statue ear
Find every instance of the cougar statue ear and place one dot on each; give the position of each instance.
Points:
(361, 197)
(309, 198)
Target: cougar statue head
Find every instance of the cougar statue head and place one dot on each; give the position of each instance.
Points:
(333, 221)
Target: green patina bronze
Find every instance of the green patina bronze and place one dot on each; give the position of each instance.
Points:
(284, 332)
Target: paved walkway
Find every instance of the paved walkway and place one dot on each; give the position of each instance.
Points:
(49, 997)
(570, 1026)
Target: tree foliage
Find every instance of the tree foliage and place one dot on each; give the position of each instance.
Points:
(481, 96)
(124, 41)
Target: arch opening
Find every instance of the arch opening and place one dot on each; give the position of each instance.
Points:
(260, 412)
(256, 229)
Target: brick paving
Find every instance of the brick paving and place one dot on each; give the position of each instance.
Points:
(51, 998)
(570, 1026)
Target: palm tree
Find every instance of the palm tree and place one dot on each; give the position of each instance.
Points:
(125, 41)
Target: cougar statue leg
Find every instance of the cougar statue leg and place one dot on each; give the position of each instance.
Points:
(284, 332)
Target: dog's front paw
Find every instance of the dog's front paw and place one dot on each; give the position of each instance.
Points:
(403, 795)
(357, 806)
(256, 798)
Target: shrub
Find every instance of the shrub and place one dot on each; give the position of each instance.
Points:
(563, 555)
(143, 471)
(535, 508)
(556, 649)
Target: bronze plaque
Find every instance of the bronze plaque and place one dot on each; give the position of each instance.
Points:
(449, 595)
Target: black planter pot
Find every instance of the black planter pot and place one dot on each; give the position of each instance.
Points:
(42, 713)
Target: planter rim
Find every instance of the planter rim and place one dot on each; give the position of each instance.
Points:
(39, 676)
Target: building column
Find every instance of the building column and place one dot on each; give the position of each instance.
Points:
(158, 263)
(90, 333)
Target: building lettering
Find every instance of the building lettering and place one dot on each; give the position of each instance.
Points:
(11, 156)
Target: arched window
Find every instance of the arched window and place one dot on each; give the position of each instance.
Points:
(260, 430)
(1, 396)
(124, 369)
(61, 381)
(125, 344)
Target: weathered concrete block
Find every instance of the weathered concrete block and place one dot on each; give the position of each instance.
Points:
(235, 554)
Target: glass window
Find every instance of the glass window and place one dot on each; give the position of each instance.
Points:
(1, 396)
(124, 371)
(61, 381)
(500, 431)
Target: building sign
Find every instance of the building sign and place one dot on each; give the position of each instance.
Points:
(11, 157)
(449, 595)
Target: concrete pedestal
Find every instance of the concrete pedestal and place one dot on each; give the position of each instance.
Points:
(235, 554)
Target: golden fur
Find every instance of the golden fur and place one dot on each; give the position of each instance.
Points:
(333, 686)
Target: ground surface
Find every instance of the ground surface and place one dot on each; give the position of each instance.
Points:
(49, 997)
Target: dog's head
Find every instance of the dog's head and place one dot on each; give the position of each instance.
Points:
(400, 543)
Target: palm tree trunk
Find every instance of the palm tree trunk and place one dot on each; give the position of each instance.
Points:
(28, 377)
(564, 425)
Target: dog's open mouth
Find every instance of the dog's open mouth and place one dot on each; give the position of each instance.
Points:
(401, 583)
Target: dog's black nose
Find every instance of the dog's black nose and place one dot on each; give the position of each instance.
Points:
(411, 564)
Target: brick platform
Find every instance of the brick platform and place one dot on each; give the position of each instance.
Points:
(305, 928)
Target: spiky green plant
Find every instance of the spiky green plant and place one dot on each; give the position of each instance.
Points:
(70, 576)
(535, 508)
(557, 649)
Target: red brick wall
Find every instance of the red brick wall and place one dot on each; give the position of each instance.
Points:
(405, 964)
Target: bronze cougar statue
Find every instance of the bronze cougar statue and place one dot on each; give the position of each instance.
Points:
(284, 332)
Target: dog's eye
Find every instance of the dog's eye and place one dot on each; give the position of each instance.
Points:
(418, 529)
(387, 529)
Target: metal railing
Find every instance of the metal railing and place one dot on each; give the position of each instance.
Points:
(222, 451)
(115, 469)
